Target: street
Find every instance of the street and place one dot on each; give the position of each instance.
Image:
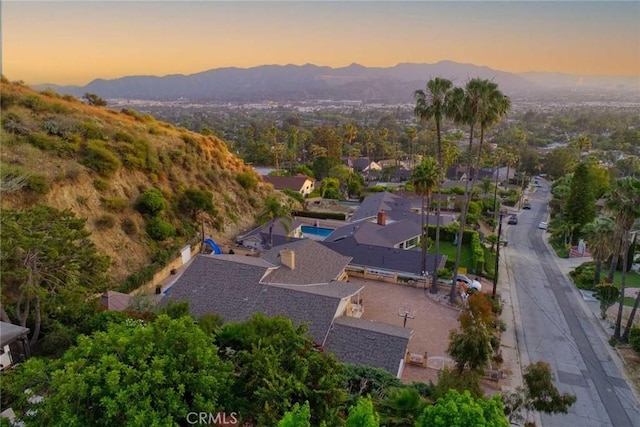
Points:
(552, 325)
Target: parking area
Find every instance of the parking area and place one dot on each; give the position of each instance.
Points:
(431, 320)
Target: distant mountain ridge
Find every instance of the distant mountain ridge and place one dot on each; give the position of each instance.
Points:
(306, 82)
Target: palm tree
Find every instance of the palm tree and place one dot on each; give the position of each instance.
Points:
(274, 210)
(424, 179)
(480, 103)
(624, 201)
(432, 104)
(599, 235)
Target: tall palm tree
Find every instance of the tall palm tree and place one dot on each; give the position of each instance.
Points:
(424, 179)
(480, 104)
(431, 104)
(624, 201)
(599, 235)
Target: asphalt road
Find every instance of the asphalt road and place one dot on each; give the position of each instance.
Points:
(553, 325)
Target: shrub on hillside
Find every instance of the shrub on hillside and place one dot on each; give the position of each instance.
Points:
(100, 184)
(129, 226)
(159, 229)
(38, 184)
(104, 222)
(115, 204)
(100, 159)
(247, 180)
(150, 203)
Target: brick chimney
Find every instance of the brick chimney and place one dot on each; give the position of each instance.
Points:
(288, 258)
(382, 218)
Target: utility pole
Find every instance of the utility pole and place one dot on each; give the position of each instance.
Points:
(495, 274)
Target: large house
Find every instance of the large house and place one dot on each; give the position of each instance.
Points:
(302, 280)
(299, 183)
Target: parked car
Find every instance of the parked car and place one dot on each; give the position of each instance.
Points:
(543, 225)
(513, 219)
(527, 205)
(469, 283)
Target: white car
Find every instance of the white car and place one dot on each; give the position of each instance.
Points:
(543, 225)
(470, 284)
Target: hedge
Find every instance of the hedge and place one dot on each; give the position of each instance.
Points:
(321, 215)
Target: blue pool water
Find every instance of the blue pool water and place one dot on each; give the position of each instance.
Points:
(317, 231)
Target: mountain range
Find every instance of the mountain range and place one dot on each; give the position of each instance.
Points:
(308, 82)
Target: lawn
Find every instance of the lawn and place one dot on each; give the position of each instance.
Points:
(448, 249)
(632, 280)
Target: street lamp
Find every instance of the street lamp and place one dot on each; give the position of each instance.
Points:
(495, 274)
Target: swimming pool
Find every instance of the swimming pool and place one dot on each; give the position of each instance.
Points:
(316, 231)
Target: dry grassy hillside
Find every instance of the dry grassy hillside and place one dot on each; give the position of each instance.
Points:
(96, 162)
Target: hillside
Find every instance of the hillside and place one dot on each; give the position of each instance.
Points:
(96, 162)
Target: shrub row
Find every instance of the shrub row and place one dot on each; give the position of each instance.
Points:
(321, 215)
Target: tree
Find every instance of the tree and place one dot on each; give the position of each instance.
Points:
(599, 235)
(48, 264)
(624, 202)
(401, 407)
(481, 104)
(363, 415)
(432, 104)
(607, 294)
(95, 100)
(298, 416)
(133, 373)
(272, 211)
(580, 206)
(150, 203)
(195, 201)
(539, 394)
(424, 179)
(276, 366)
(462, 410)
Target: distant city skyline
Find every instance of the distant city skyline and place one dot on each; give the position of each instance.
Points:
(75, 42)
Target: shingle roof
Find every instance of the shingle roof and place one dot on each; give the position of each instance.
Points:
(364, 342)
(287, 182)
(335, 289)
(115, 301)
(10, 332)
(400, 260)
(232, 289)
(370, 233)
(386, 201)
(314, 263)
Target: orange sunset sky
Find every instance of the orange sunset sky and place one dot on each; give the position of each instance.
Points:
(74, 42)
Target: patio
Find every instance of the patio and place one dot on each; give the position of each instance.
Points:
(431, 321)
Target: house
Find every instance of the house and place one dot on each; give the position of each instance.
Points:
(302, 280)
(281, 231)
(299, 183)
(397, 208)
(14, 345)
(363, 164)
(403, 234)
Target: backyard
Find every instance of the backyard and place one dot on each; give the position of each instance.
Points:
(466, 257)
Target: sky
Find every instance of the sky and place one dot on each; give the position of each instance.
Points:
(75, 42)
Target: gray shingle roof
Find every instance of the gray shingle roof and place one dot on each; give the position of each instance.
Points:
(400, 260)
(335, 289)
(370, 233)
(10, 332)
(314, 263)
(386, 201)
(232, 289)
(364, 342)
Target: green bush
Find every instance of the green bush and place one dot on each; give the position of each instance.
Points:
(584, 275)
(247, 180)
(115, 204)
(634, 339)
(478, 253)
(294, 195)
(38, 184)
(321, 215)
(105, 222)
(100, 159)
(150, 203)
(458, 189)
(42, 141)
(159, 229)
(100, 184)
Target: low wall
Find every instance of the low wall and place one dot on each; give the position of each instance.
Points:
(161, 275)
